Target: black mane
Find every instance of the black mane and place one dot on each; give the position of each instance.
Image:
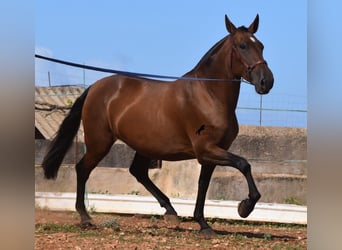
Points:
(212, 51)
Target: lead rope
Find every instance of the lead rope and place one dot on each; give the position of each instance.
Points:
(135, 74)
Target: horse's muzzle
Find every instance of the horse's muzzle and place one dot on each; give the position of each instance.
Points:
(264, 86)
(265, 83)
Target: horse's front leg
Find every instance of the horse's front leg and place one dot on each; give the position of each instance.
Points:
(203, 184)
(218, 156)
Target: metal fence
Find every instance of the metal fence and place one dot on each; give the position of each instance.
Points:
(274, 109)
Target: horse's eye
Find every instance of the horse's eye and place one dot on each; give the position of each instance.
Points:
(243, 46)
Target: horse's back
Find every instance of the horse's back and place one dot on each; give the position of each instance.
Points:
(143, 113)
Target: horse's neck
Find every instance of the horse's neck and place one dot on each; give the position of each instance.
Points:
(224, 91)
(217, 65)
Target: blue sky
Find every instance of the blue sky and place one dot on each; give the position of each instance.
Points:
(169, 39)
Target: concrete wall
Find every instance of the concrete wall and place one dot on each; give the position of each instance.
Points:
(120, 155)
(277, 155)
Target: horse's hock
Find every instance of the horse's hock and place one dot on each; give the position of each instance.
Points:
(277, 156)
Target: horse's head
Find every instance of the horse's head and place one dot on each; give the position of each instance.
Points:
(246, 56)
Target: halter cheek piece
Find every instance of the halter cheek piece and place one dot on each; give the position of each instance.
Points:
(249, 67)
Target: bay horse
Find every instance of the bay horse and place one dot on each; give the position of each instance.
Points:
(179, 120)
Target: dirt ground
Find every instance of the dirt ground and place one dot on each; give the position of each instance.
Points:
(61, 230)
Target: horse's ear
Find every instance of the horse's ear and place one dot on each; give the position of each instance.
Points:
(254, 26)
(230, 26)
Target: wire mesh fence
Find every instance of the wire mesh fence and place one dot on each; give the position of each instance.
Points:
(274, 109)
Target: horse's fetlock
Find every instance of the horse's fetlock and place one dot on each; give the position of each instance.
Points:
(255, 197)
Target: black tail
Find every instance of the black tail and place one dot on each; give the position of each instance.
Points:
(63, 140)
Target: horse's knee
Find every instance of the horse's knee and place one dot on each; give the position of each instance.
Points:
(244, 166)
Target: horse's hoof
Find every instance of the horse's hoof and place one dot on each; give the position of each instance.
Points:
(245, 208)
(171, 218)
(88, 225)
(207, 232)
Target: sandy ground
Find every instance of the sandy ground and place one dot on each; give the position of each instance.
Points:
(61, 230)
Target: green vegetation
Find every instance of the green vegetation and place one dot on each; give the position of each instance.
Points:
(113, 224)
(134, 192)
(54, 228)
(293, 200)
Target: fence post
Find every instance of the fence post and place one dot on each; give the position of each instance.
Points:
(260, 111)
(49, 78)
(84, 79)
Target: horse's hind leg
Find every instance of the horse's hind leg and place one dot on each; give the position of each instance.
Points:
(82, 173)
(139, 169)
(94, 154)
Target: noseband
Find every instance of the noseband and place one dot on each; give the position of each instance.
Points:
(249, 67)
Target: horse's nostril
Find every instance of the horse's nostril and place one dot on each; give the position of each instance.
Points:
(263, 82)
